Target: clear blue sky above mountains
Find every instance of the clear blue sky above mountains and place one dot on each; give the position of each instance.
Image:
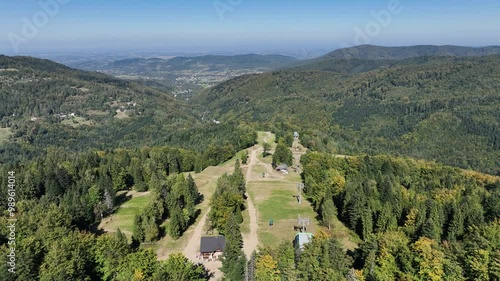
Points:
(259, 24)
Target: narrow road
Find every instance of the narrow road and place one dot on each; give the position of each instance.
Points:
(251, 240)
(193, 246)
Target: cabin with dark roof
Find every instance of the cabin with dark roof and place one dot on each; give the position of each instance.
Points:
(211, 248)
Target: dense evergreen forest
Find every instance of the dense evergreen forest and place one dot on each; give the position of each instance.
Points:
(62, 196)
(418, 220)
(434, 108)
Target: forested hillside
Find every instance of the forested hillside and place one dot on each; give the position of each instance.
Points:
(371, 52)
(368, 57)
(46, 104)
(443, 109)
(77, 142)
(416, 218)
(62, 196)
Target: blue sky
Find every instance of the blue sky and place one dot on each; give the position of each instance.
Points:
(175, 24)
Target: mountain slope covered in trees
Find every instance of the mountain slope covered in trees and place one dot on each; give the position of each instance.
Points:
(83, 138)
(368, 57)
(46, 104)
(418, 220)
(379, 52)
(443, 109)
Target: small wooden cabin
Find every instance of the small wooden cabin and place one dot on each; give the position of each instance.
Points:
(211, 248)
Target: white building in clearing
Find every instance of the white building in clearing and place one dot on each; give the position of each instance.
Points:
(301, 239)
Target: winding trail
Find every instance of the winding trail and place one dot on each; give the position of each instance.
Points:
(251, 240)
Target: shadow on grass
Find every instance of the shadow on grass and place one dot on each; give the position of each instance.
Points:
(121, 199)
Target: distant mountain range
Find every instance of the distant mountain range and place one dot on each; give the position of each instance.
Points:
(237, 62)
(370, 52)
(157, 67)
(182, 75)
(368, 57)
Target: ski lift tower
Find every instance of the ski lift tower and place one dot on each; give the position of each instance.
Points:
(303, 222)
(300, 187)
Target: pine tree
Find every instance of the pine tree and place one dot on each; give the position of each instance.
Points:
(266, 147)
(70, 258)
(193, 189)
(286, 261)
(109, 251)
(244, 157)
(266, 269)
(177, 223)
(178, 268)
(250, 272)
(138, 231)
(151, 230)
(142, 263)
(456, 226)
(282, 155)
(238, 179)
(120, 236)
(233, 262)
(328, 212)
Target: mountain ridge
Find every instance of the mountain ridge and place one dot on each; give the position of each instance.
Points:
(404, 52)
(364, 58)
(443, 109)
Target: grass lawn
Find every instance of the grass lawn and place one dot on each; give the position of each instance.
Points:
(123, 218)
(274, 200)
(263, 137)
(5, 133)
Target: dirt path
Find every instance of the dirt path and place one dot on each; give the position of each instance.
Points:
(251, 240)
(193, 245)
(266, 139)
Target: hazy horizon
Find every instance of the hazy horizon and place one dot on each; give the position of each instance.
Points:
(238, 26)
